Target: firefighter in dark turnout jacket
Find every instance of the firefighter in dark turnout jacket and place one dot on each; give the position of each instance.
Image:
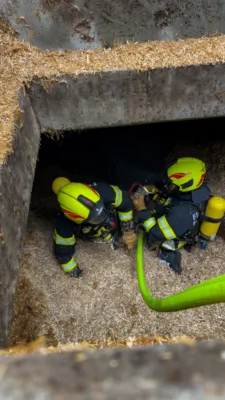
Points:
(174, 222)
(91, 212)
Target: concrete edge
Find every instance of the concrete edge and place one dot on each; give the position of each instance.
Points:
(16, 180)
(173, 371)
(117, 98)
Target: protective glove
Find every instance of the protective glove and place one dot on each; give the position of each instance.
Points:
(129, 238)
(76, 272)
(158, 199)
(139, 203)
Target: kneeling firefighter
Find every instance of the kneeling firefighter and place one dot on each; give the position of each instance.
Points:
(94, 212)
(185, 212)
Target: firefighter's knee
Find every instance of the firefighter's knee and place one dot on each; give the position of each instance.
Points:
(172, 245)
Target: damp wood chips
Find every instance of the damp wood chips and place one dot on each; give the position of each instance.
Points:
(20, 62)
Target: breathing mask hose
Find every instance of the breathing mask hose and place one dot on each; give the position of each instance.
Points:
(208, 292)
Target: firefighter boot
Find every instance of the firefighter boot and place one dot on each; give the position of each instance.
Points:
(171, 258)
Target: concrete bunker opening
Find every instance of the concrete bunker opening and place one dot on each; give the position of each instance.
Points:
(106, 302)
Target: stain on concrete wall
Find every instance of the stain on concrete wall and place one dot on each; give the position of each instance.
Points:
(16, 180)
(127, 97)
(76, 24)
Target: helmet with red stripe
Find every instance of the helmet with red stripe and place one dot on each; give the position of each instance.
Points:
(187, 174)
(79, 202)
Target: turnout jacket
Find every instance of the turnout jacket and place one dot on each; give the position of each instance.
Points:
(65, 230)
(177, 218)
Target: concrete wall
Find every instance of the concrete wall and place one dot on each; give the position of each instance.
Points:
(16, 180)
(171, 372)
(75, 24)
(128, 97)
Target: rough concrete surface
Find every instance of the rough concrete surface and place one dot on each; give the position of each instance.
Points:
(169, 372)
(106, 302)
(75, 24)
(128, 97)
(16, 179)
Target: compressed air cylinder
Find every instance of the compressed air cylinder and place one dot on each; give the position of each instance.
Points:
(215, 210)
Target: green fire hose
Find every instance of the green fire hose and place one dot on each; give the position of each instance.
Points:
(208, 292)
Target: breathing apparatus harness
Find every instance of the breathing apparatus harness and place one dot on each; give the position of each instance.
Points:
(191, 237)
(194, 236)
(211, 213)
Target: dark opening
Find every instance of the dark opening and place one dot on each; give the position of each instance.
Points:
(120, 156)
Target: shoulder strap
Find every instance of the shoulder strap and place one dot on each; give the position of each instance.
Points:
(201, 208)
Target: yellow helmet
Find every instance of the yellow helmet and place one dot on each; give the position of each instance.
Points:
(58, 183)
(187, 173)
(80, 202)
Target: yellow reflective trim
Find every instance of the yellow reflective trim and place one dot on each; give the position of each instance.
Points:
(149, 223)
(125, 216)
(98, 234)
(166, 228)
(181, 244)
(107, 238)
(167, 202)
(69, 266)
(98, 231)
(170, 245)
(86, 229)
(119, 196)
(64, 241)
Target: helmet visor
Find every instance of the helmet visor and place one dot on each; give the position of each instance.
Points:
(97, 216)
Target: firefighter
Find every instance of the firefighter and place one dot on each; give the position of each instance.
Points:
(174, 222)
(96, 211)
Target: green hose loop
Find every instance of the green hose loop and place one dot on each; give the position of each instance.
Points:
(208, 292)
